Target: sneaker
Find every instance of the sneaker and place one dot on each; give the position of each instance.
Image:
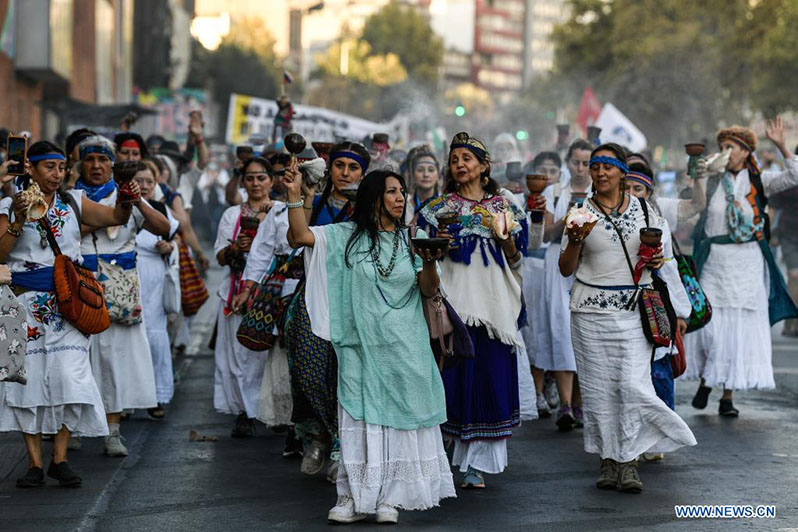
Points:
(332, 472)
(544, 410)
(701, 397)
(314, 457)
(629, 479)
(565, 419)
(34, 478)
(652, 457)
(74, 443)
(114, 446)
(473, 479)
(550, 390)
(344, 511)
(579, 417)
(293, 447)
(608, 477)
(244, 427)
(387, 514)
(727, 409)
(64, 474)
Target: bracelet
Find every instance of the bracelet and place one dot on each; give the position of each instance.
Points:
(14, 232)
(296, 204)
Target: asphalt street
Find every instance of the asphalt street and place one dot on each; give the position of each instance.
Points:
(171, 483)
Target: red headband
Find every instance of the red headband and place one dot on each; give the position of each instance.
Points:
(130, 143)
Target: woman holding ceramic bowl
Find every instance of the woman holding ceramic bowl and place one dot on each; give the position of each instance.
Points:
(624, 418)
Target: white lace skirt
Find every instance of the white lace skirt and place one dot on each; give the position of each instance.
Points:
(487, 456)
(406, 469)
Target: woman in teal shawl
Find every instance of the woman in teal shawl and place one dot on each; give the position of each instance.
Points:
(364, 295)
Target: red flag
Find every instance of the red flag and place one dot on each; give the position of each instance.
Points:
(589, 109)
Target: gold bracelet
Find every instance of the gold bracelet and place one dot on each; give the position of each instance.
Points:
(14, 232)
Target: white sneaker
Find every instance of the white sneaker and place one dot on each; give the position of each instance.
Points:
(344, 511)
(74, 443)
(114, 446)
(387, 514)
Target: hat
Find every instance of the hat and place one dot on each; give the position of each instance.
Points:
(171, 149)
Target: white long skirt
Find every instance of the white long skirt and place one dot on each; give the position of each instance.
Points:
(122, 367)
(151, 275)
(532, 288)
(734, 349)
(275, 404)
(556, 349)
(239, 371)
(487, 456)
(526, 385)
(61, 390)
(406, 469)
(623, 415)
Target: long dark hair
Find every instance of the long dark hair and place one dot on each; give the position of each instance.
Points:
(355, 147)
(492, 187)
(370, 196)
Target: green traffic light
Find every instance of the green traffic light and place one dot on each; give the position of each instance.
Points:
(521, 135)
(459, 110)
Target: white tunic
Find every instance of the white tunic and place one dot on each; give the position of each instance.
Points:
(61, 389)
(239, 371)
(120, 355)
(734, 349)
(152, 271)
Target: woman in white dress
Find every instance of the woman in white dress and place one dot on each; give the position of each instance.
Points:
(270, 252)
(61, 396)
(556, 353)
(155, 255)
(623, 415)
(239, 370)
(364, 294)
(738, 272)
(120, 355)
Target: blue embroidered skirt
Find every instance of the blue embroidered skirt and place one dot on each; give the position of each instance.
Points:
(314, 371)
(482, 393)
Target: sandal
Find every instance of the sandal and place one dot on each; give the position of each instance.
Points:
(473, 479)
(157, 412)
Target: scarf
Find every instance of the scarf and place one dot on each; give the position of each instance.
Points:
(742, 228)
(96, 192)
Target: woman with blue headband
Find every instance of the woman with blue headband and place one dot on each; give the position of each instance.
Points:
(312, 359)
(481, 273)
(120, 355)
(61, 396)
(738, 272)
(623, 417)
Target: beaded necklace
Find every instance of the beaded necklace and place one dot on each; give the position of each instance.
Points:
(385, 271)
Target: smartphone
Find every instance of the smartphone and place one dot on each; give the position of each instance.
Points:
(17, 151)
(244, 153)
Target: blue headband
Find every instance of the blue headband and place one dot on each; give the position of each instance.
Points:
(54, 156)
(97, 149)
(480, 153)
(610, 160)
(349, 155)
(641, 178)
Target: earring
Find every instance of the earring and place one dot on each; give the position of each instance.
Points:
(485, 181)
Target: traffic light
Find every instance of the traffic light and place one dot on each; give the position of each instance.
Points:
(460, 111)
(521, 134)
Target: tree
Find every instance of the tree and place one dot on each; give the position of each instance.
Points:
(401, 30)
(361, 65)
(244, 63)
(678, 68)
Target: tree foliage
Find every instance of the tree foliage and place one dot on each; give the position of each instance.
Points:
(678, 68)
(401, 30)
(244, 63)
